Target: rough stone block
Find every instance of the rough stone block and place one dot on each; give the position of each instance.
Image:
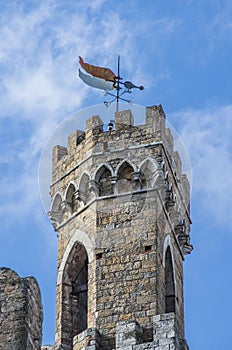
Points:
(128, 333)
(155, 117)
(58, 153)
(73, 139)
(123, 119)
(93, 122)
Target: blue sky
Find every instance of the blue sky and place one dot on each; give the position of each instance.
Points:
(181, 52)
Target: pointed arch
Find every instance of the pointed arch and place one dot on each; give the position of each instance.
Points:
(84, 191)
(76, 236)
(121, 164)
(147, 170)
(71, 275)
(56, 210)
(103, 178)
(101, 168)
(56, 203)
(71, 188)
(75, 292)
(124, 174)
(170, 298)
(69, 196)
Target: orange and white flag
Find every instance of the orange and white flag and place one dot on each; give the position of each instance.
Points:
(96, 71)
(96, 82)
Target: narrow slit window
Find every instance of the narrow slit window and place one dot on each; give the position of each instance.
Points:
(169, 283)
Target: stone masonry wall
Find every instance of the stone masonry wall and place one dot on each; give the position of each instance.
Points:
(129, 335)
(20, 312)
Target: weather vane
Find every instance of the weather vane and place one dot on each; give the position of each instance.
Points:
(105, 79)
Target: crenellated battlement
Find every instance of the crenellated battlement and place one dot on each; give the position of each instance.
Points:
(148, 148)
(124, 129)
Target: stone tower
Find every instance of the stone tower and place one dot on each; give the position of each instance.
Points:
(120, 206)
(21, 313)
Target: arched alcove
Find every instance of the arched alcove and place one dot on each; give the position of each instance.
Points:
(70, 197)
(56, 204)
(56, 210)
(103, 178)
(84, 188)
(75, 292)
(169, 282)
(125, 178)
(147, 170)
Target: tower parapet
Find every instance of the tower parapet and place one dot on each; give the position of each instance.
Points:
(120, 205)
(21, 312)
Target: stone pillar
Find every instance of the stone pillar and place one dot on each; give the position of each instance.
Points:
(137, 180)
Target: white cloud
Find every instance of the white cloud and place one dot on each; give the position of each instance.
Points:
(207, 135)
(39, 58)
(39, 52)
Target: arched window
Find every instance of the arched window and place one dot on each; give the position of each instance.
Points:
(56, 210)
(75, 292)
(169, 283)
(103, 178)
(56, 205)
(70, 198)
(125, 179)
(147, 171)
(84, 188)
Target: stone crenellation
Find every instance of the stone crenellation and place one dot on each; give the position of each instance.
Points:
(21, 312)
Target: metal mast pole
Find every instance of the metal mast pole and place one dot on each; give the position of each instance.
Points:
(118, 86)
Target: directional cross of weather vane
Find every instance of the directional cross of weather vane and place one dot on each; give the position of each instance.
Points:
(105, 79)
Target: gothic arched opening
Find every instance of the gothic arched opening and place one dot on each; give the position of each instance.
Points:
(147, 173)
(56, 210)
(103, 177)
(169, 283)
(125, 178)
(84, 188)
(70, 197)
(75, 292)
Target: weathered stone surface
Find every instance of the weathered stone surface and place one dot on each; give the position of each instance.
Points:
(165, 335)
(120, 205)
(20, 312)
(123, 120)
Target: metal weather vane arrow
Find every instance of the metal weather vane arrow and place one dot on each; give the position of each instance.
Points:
(105, 79)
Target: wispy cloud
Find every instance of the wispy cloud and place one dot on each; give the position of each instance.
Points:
(208, 31)
(221, 23)
(207, 135)
(39, 51)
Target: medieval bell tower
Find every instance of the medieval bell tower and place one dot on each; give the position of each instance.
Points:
(120, 206)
